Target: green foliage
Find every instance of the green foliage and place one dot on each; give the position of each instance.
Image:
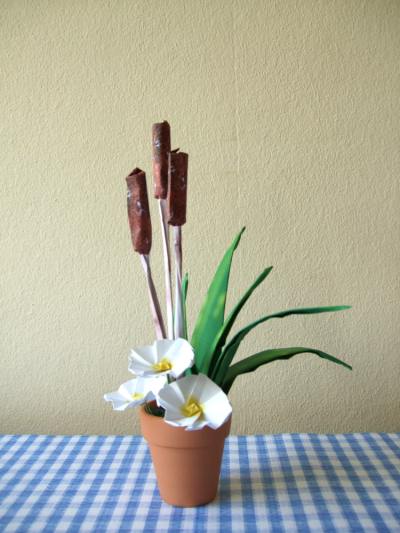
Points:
(213, 354)
(222, 335)
(185, 285)
(249, 364)
(231, 348)
(211, 316)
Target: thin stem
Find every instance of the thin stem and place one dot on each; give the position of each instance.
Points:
(167, 267)
(154, 303)
(178, 322)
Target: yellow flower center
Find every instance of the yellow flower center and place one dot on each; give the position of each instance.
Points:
(163, 365)
(136, 396)
(192, 407)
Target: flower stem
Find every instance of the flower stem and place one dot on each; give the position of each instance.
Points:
(167, 267)
(154, 303)
(178, 319)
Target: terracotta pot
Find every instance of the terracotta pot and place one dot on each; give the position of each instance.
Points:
(187, 463)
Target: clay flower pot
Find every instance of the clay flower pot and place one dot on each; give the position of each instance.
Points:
(187, 463)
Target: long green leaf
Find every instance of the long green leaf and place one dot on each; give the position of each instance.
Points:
(185, 285)
(220, 339)
(231, 348)
(267, 356)
(211, 316)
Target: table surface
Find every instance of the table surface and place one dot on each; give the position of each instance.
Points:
(290, 482)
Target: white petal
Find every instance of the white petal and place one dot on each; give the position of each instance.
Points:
(128, 388)
(178, 352)
(214, 402)
(146, 353)
(181, 355)
(217, 410)
(138, 364)
(181, 422)
(142, 360)
(146, 389)
(154, 385)
(198, 424)
(162, 347)
(205, 388)
(170, 398)
(119, 402)
(183, 388)
(172, 394)
(137, 368)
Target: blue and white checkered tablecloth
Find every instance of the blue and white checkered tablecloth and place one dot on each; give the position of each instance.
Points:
(299, 482)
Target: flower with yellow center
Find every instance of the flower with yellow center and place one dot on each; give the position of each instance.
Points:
(135, 392)
(137, 396)
(191, 407)
(162, 366)
(194, 402)
(165, 356)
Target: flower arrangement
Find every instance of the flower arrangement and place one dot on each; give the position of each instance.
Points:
(184, 382)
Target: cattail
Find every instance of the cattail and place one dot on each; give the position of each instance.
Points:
(177, 188)
(140, 226)
(138, 211)
(161, 137)
(176, 213)
(161, 148)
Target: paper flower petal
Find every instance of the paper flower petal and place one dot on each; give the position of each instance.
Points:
(119, 402)
(135, 392)
(164, 357)
(194, 402)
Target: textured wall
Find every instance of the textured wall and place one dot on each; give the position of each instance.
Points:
(290, 113)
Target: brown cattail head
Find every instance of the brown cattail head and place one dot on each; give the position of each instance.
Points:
(161, 149)
(177, 188)
(138, 211)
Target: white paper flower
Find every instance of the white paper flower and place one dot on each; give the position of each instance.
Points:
(135, 392)
(163, 357)
(194, 402)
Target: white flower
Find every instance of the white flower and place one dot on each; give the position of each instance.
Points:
(194, 402)
(134, 392)
(163, 357)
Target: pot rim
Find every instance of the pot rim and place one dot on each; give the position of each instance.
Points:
(157, 432)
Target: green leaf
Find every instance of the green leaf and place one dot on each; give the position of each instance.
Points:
(268, 356)
(220, 339)
(231, 348)
(211, 316)
(185, 285)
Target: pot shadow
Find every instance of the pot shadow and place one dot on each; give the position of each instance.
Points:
(239, 488)
(278, 484)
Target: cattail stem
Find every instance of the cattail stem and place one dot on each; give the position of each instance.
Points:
(178, 322)
(154, 303)
(167, 267)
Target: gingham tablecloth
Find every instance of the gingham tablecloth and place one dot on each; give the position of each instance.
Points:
(299, 482)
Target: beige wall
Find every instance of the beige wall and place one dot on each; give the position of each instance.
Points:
(290, 113)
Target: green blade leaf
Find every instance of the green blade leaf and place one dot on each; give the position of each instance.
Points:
(211, 316)
(231, 348)
(185, 285)
(220, 339)
(268, 356)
